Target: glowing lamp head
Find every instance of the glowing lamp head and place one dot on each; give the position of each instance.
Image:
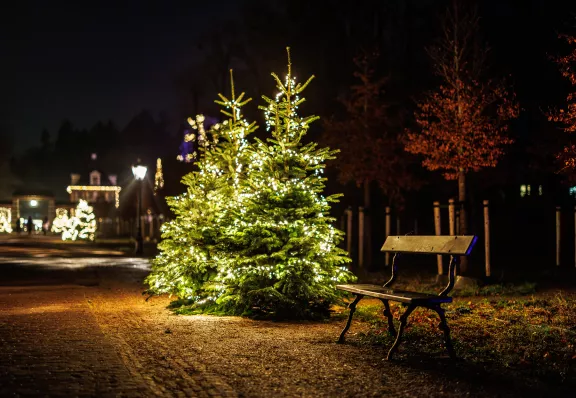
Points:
(33, 203)
(139, 172)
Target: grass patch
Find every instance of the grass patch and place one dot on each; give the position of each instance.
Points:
(499, 289)
(528, 337)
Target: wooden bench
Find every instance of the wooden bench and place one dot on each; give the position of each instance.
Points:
(454, 246)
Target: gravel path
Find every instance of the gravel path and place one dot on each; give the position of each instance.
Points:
(97, 336)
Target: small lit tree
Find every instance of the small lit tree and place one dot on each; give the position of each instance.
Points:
(61, 220)
(82, 225)
(567, 117)
(284, 260)
(189, 258)
(5, 220)
(461, 125)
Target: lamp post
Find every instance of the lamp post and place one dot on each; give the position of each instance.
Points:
(139, 172)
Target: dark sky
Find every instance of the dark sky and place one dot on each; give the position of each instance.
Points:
(90, 61)
(99, 60)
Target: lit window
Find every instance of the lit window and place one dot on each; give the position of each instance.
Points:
(540, 190)
(572, 191)
(528, 187)
(523, 190)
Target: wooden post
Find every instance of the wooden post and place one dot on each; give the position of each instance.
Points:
(452, 217)
(397, 225)
(151, 227)
(118, 226)
(360, 237)
(487, 236)
(415, 226)
(387, 231)
(348, 213)
(558, 235)
(437, 228)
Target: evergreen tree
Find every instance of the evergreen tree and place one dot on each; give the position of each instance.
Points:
(5, 220)
(190, 257)
(282, 258)
(82, 225)
(61, 220)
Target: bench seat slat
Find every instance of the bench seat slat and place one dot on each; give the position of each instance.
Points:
(394, 295)
(454, 245)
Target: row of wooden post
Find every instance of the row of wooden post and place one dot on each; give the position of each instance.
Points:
(454, 224)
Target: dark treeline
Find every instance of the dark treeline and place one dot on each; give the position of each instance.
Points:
(47, 165)
(325, 36)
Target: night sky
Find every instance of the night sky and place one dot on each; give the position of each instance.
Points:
(111, 60)
(92, 61)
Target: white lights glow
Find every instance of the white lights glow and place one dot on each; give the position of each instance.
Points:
(33, 203)
(60, 221)
(5, 219)
(98, 188)
(82, 225)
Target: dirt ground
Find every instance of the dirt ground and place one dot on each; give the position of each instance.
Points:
(82, 327)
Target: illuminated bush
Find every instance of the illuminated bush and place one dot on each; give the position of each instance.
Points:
(82, 225)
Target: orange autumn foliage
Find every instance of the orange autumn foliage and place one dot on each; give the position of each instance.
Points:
(567, 117)
(461, 125)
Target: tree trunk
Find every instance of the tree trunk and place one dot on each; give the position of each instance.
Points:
(463, 216)
(367, 226)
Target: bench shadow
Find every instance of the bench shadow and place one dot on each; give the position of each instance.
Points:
(493, 380)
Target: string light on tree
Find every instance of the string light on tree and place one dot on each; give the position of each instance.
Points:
(82, 225)
(285, 259)
(5, 220)
(189, 254)
(61, 221)
(158, 177)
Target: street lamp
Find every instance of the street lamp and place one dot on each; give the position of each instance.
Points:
(139, 172)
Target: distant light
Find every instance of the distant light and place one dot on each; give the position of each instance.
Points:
(139, 172)
(94, 156)
(33, 203)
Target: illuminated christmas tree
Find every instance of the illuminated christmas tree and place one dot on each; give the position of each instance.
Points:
(158, 177)
(5, 220)
(283, 259)
(190, 257)
(60, 221)
(82, 225)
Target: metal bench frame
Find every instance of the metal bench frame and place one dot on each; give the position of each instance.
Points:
(454, 246)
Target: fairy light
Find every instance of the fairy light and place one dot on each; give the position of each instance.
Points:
(267, 192)
(5, 219)
(61, 220)
(82, 225)
(159, 176)
(98, 188)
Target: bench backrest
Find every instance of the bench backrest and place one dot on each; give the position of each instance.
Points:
(430, 244)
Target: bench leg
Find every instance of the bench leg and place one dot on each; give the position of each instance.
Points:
(443, 325)
(403, 321)
(388, 314)
(352, 307)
